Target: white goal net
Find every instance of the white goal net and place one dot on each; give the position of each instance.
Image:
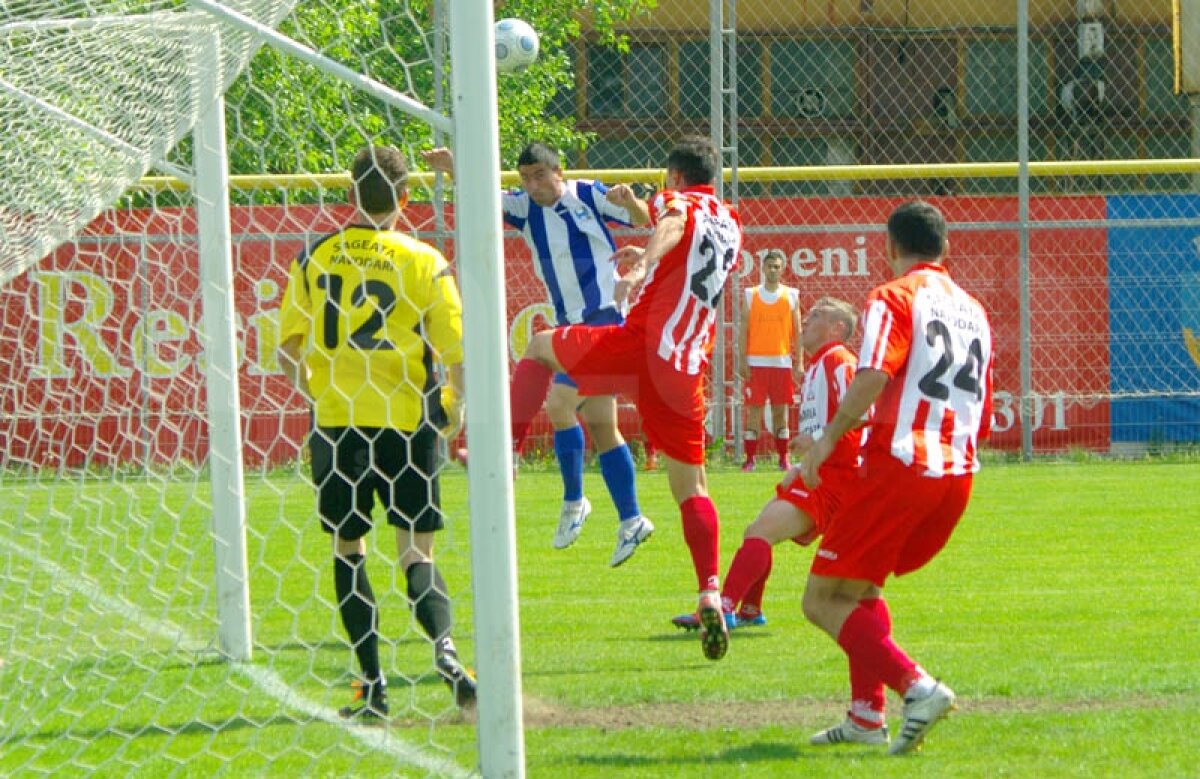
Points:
(114, 655)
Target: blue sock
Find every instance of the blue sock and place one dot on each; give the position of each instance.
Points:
(568, 447)
(616, 466)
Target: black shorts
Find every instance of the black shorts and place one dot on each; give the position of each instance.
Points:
(352, 466)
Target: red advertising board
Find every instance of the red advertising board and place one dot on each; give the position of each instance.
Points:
(104, 359)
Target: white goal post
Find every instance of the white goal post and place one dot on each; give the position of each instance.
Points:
(116, 148)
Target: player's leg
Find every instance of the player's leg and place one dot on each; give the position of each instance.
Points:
(701, 531)
(344, 505)
(779, 428)
(527, 392)
(541, 350)
(569, 445)
(746, 581)
(599, 413)
(754, 398)
(751, 432)
(854, 614)
(414, 509)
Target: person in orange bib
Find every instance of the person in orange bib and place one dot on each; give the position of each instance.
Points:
(772, 357)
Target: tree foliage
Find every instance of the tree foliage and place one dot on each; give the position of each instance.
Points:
(285, 116)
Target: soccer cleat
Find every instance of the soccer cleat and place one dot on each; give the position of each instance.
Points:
(714, 627)
(850, 732)
(651, 462)
(744, 621)
(686, 621)
(373, 709)
(748, 466)
(919, 718)
(458, 678)
(630, 535)
(570, 521)
(692, 621)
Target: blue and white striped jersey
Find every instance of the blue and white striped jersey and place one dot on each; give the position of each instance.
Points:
(572, 248)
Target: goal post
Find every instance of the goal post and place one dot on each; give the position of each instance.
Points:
(490, 489)
(139, 337)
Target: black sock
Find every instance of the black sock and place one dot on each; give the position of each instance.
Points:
(360, 616)
(427, 592)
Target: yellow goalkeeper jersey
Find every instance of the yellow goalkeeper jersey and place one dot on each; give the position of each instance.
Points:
(374, 308)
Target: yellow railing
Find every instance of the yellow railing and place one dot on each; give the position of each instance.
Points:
(803, 173)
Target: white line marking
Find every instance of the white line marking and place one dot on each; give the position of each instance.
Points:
(264, 679)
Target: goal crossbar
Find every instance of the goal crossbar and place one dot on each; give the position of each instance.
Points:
(332, 67)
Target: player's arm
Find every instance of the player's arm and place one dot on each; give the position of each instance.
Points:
(986, 422)
(665, 237)
(859, 397)
(295, 321)
(630, 278)
(622, 195)
(291, 360)
(443, 327)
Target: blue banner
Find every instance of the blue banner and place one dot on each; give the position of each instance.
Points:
(1154, 318)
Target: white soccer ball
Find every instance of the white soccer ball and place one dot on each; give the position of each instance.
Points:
(516, 45)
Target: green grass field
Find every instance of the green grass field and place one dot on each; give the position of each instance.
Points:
(1062, 614)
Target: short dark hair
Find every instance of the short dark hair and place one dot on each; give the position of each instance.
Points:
(696, 159)
(774, 254)
(540, 153)
(918, 229)
(379, 177)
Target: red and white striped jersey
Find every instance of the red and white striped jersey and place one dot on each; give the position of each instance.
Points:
(934, 340)
(829, 373)
(678, 303)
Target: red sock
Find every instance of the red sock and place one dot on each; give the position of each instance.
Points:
(781, 448)
(702, 532)
(748, 573)
(868, 643)
(528, 391)
(867, 694)
(749, 446)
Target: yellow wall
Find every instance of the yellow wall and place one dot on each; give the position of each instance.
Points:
(784, 15)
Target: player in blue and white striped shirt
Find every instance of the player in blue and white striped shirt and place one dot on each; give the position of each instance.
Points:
(566, 225)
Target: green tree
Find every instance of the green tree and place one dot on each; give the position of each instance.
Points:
(284, 116)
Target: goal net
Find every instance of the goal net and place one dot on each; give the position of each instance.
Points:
(112, 629)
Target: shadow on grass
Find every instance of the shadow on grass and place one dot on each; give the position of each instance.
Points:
(735, 636)
(154, 730)
(761, 752)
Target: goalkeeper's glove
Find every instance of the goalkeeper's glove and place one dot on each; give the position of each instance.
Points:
(452, 405)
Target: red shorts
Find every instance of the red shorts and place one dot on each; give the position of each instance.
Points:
(769, 384)
(894, 523)
(613, 359)
(821, 503)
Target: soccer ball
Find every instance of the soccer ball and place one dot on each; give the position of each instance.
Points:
(516, 45)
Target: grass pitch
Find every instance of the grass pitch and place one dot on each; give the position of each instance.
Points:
(1060, 613)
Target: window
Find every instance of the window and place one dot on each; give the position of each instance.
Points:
(992, 77)
(812, 78)
(694, 81)
(1160, 82)
(622, 86)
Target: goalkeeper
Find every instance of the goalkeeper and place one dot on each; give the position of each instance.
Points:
(368, 309)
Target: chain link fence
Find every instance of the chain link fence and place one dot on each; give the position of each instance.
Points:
(1092, 304)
